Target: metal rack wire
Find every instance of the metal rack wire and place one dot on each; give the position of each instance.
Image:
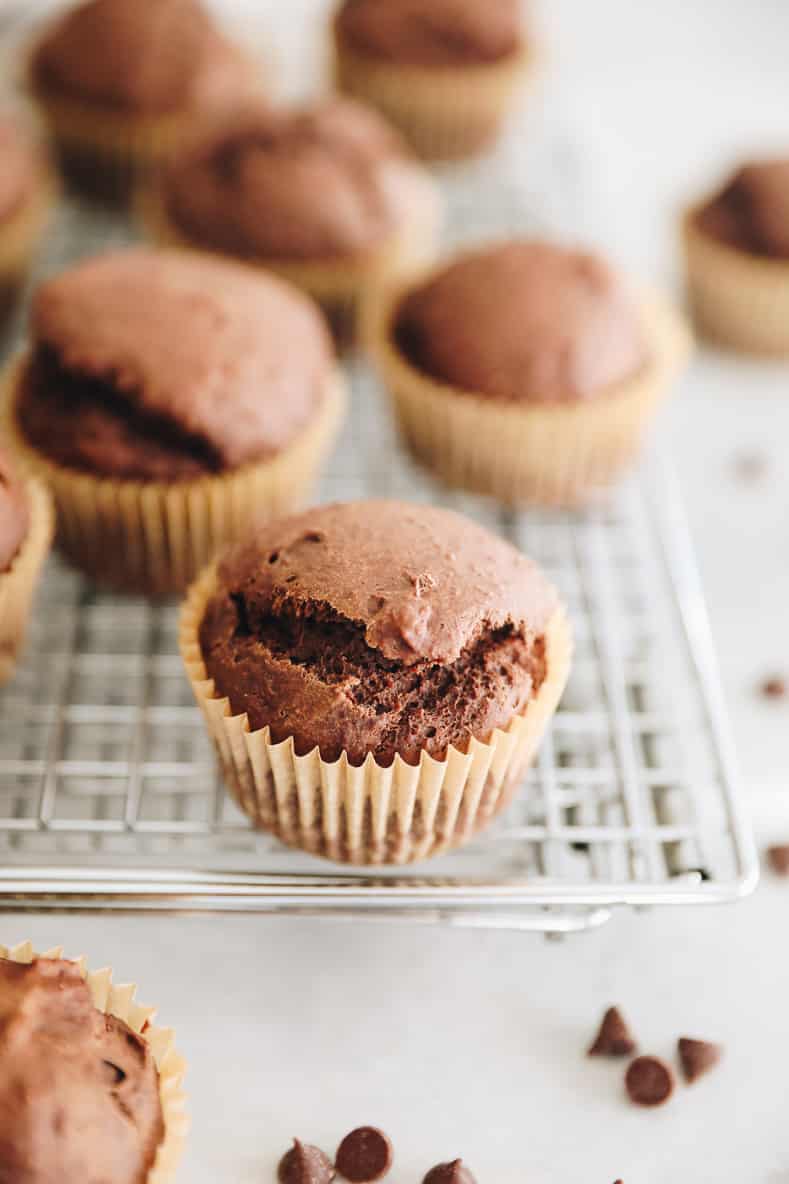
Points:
(109, 797)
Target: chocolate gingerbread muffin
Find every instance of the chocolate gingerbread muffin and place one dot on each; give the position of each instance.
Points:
(121, 81)
(250, 188)
(79, 1090)
(26, 194)
(383, 635)
(737, 255)
(444, 71)
(525, 369)
(180, 390)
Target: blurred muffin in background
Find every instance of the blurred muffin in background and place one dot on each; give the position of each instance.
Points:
(169, 400)
(26, 522)
(327, 196)
(525, 370)
(737, 259)
(27, 190)
(119, 83)
(446, 72)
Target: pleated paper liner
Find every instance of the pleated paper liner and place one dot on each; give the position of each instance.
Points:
(446, 112)
(20, 236)
(545, 454)
(153, 537)
(119, 1001)
(18, 583)
(370, 814)
(340, 286)
(737, 299)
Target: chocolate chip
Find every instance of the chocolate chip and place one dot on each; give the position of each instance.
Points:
(649, 1081)
(305, 1164)
(697, 1057)
(774, 687)
(364, 1155)
(449, 1173)
(614, 1038)
(778, 858)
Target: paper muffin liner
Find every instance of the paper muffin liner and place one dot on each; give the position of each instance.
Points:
(545, 454)
(341, 287)
(445, 112)
(153, 537)
(737, 299)
(20, 235)
(118, 1000)
(369, 814)
(18, 583)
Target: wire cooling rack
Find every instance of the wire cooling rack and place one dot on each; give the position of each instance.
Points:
(110, 798)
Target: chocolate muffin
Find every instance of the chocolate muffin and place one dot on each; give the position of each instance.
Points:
(169, 399)
(26, 194)
(737, 257)
(121, 81)
(81, 1094)
(387, 636)
(25, 536)
(525, 370)
(444, 71)
(248, 189)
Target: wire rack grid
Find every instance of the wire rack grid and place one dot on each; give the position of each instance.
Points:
(109, 794)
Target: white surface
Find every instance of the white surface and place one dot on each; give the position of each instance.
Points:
(472, 1043)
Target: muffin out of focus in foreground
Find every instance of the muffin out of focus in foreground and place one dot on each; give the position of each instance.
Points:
(525, 370)
(120, 82)
(376, 676)
(90, 1088)
(26, 523)
(168, 399)
(27, 190)
(327, 196)
(736, 246)
(446, 72)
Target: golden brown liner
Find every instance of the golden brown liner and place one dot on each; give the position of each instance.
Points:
(153, 537)
(20, 235)
(119, 1001)
(446, 113)
(18, 583)
(547, 454)
(368, 814)
(340, 286)
(737, 298)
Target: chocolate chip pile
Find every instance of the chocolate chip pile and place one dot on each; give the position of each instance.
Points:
(364, 1156)
(649, 1081)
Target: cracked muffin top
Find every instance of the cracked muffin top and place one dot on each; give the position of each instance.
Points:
(377, 628)
(431, 32)
(751, 210)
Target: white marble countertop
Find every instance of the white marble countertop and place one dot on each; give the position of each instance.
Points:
(471, 1043)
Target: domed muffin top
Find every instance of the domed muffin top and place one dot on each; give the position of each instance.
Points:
(329, 180)
(523, 321)
(431, 32)
(377, 627)
(143, 355)
(751, 211)
(148, 56)
(14, 513)
(79, 1091)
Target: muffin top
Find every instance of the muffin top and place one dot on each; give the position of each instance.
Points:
(164, 364)
(146, 56)
(432, 32)
(751, 211)
(79, 1091)
(21, 166)
(523, 322)
(330, 180)
(377, 627)
(14, 513)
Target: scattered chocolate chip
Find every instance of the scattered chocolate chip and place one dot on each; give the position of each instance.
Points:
(449, 1173)
(774, 687)
(778, 858)
(305, 1164)
(614, 1038)
(364, 1155)
(750, 466)
(697, 1057)
(649, 1081)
